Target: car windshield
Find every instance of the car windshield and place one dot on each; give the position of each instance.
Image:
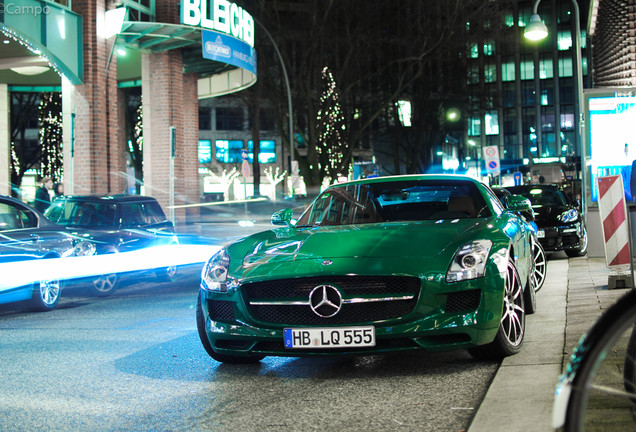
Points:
(409, 200)
(543, 196)
(83, 214)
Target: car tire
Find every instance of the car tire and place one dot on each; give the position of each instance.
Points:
(512, 327)
(46, 295)
(223, 358)
(582, 250)
(530, 296)
(540, 265)
(105, 285)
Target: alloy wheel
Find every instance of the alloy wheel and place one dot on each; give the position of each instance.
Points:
(540, 266)
(513, 318)
(49, 291)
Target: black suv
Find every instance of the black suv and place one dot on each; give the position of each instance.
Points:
(114, 224)
(558, 218)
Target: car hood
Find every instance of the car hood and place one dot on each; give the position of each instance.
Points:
(548, 215)
(386, 240)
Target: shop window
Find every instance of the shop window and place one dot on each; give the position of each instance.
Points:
(228, 151)
(205, 151)
(267, 152)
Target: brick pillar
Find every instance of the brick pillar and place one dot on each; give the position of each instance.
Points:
(98, 151)
(169, 99)
(5, 140)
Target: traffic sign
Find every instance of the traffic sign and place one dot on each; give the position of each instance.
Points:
(491, 157)
(245, 169)
(244, 155)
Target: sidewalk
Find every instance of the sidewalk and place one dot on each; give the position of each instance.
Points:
(521, 395)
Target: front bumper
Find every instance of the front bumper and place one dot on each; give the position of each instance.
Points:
(564, 237)
(443, 317)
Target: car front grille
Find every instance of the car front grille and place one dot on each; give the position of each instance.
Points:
(365, 299)
(221, 311)
(463, 301)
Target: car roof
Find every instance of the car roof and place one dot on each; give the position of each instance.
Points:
(440, 177)
(534, 186)
(113, 198)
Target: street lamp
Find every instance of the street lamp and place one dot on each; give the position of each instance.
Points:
(289, 97)
(536, 30)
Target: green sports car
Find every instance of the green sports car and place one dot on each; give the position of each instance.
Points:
(430, 262)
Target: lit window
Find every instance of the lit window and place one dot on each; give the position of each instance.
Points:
(404, 112)
(490, 73)
(474, 126)
(527, 70)
(229, 151)
(205, 151)
(509, 20)
(492, 123)
(508, 71)
(564, 41)
(489, 48)
(267, 152)
(546, 69)
(565, 67)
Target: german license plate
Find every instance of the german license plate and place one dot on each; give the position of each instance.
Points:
(541, 234)
(333, 337)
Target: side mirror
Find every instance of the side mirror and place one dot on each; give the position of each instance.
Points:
(282, 217)
(519, 204)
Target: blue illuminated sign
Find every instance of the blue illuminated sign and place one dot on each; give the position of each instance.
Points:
(219, 47)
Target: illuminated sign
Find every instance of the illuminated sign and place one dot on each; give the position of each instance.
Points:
(226, 49)
(612, 139)
(219, 15)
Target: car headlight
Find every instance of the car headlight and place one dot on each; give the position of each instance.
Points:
(470, 261)
(84, 248)
(570, 216)
(214, 274)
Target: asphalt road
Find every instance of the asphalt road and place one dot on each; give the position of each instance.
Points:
(133, 362)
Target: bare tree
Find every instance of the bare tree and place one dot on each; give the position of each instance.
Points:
(378, 52)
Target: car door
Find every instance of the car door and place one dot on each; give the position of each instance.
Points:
(22, 237)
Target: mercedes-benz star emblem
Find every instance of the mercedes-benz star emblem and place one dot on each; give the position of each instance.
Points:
(325, 300)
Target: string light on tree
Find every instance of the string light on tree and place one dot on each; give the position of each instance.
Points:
(50, 135)
(331, 130)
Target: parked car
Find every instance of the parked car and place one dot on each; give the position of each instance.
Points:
(540, 260)
(27, 237)
(114, 224)
(558, 217)
(375, 265)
